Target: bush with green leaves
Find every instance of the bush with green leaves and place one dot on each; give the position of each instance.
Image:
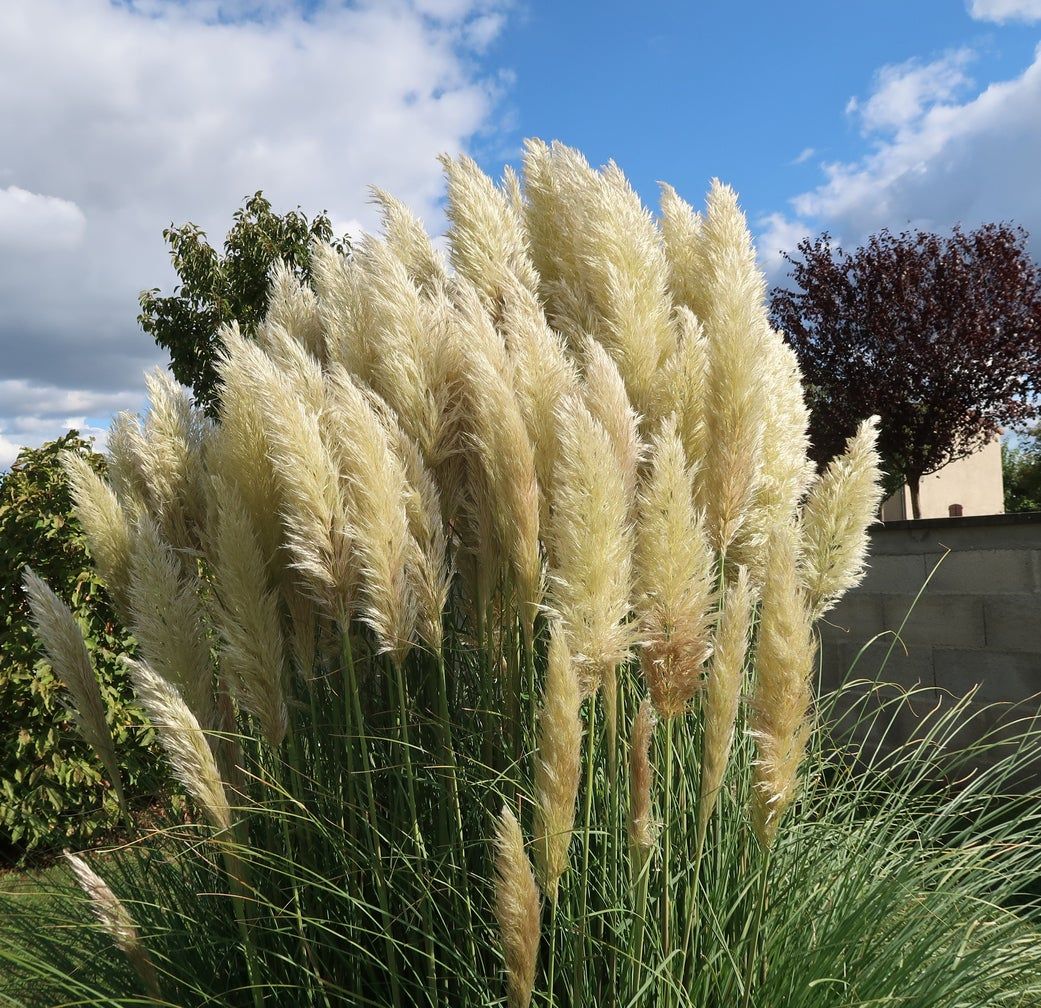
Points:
(53, 793)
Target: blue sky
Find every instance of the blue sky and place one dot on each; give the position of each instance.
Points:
(119, 118)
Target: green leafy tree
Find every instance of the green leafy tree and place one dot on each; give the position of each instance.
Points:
(217, 288)
(1021, 471)
(53, 791)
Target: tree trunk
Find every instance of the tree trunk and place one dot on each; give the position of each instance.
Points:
(913, 485)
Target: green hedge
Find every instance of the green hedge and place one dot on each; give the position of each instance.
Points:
(53, 791)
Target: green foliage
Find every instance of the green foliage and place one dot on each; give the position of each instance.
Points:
(216, 289)
(53, 792)
(1021, 472)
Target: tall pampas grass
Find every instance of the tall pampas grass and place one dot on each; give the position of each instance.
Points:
(456, 538)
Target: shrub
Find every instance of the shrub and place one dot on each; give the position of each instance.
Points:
(479, 627)
(53, 793)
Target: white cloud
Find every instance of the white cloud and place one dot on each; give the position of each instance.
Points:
(904, 91)
(778, 234)
(122, 118)
(950, 162)
(32, 221)
(804, 155)
(1005, 10)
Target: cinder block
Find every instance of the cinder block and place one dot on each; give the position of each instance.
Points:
(982, 571)
(877, 662)
(857, 618)
(940, 620)
(893, 575)
(999, 676)
(1013, 623)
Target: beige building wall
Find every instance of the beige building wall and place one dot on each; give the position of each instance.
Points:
(974, 482)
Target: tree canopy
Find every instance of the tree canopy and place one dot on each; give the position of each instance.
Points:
(939, 335)
(216, 288)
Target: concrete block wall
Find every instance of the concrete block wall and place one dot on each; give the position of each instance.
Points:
(976, 624)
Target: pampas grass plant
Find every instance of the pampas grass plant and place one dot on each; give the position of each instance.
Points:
(461, 547)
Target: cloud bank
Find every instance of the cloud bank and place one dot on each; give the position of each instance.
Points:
(123, 117)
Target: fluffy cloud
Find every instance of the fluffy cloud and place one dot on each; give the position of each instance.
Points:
(122, 117)
(1005, 10)
(934, 161)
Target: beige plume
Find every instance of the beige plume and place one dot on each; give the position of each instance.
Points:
(516, 909)
(62, 638)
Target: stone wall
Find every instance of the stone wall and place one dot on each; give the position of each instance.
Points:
(977, 622)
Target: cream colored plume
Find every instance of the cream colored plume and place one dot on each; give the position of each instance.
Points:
(599, 252)
(168, 620)
(487, 239)
(675, 571)
(723, 688)
(240, 448)
(682, 389)
(252, 653)
(293, 306)
(558, 762)
(842, 503)
(643, 829)
(183, 741)
(681, 230)
(62, 639)
(516, 909)
(342, 313)
(295, 363)
(115, 921)
(733, 314)
(500, 436)
(172, 460)
(591, 546)
(606, 397)
(782, 697)
(409, 242)
(376, 488)
(125, 464)
(786, 471)
(543, 374)
(105, 525)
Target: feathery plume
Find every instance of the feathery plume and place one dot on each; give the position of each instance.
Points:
(606, 397)
(409, 242)
(675, 568)
(682, 235)
(105, 525)
(723, 693)
(343, 316)
(376, 489)
(558, 763)
(294, 307)
(643, 829)
(734, 321)
(62, 639)
(115, 921)
(783, 695)
(168, 620)
(488, 242)
(294, 362)
(682, 390)
(183, 741)
(501, 438)
(842, 504)
(591, 546)
(516, 909)
(252, 655)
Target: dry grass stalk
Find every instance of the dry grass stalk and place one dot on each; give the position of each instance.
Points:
(723, 692)
(115, 921)
(62, 638)
(783, 694)
(643, 829)
(675, 568)
(184, 742)
(842, 504)
(516, 909)
(558, 763)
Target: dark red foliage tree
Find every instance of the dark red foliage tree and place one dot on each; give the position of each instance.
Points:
(940, 336)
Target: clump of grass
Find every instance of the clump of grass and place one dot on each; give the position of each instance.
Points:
(458, 549)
